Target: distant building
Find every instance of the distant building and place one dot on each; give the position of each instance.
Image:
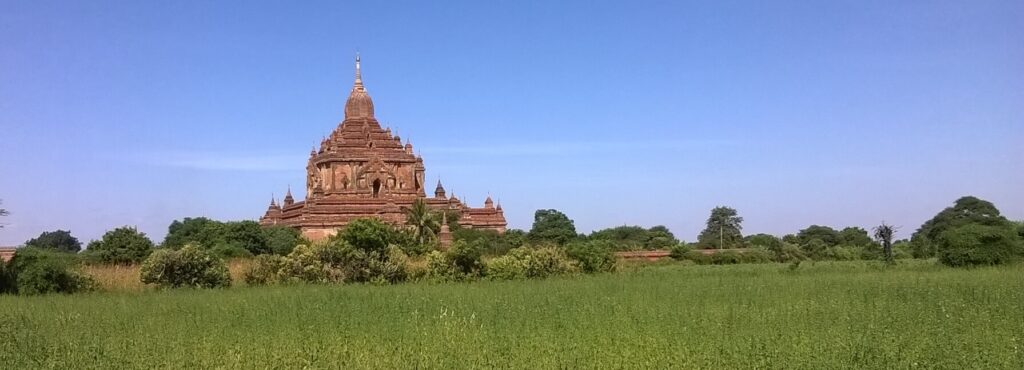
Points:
(362, 170)
(6, 253)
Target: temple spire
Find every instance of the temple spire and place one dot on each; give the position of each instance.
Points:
(359, 73)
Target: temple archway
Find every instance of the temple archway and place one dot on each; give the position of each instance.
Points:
(376, 188)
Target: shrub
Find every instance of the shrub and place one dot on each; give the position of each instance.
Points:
(679, 251)
(332, 262)
(814, 248)
(187, 267)
(264, 270)
(756, 255)
(507, 267)
(6, 281)
(525, 262)
(593, 256)
(465, 258)
(230, 250)
(440, 267)
(123, 245)
(36, 271)
(789, 253)
(726, 258)
(976, 244)
(840, 254)
(697, 257)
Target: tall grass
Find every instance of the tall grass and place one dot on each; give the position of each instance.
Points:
(125, 278)
(828, 315)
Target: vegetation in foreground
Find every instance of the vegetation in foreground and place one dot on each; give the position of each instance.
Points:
(915, 314)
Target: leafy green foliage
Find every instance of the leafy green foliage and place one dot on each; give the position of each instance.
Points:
(490, 242)
(534, 263)
(187, 267)
(424, 222)
(552, 226)
(60, 240)
(854, 236)
(828, 236)
(39, 271)
(723, 229)
(764, 240)
(593, 256)
(367, 234)
(680, 251)
(466, 258)
(966, 210)
(282, 239)
(123, 245)
(977, 244)
(636, 237)
(200, 231)
(333, 262)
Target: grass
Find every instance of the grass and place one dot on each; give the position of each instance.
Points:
(125, 278)
(826, 315)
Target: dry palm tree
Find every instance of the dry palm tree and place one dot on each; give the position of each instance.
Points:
(884, 233)
(424, 222)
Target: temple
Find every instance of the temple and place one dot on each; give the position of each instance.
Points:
(363, 170)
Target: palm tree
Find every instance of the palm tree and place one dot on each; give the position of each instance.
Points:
(423, 221)
(3, 212)
(884, 233)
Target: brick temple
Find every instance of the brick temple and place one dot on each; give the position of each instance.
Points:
(363, 170)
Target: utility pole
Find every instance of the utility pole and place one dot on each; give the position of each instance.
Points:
(720, 237)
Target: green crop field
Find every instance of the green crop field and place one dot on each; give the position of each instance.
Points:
(827, 315)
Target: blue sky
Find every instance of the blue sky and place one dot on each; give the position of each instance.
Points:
(795, 113)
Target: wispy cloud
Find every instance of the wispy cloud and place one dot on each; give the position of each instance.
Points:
(220, 161)
(559, 148)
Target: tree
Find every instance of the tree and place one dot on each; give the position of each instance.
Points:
(966, 210)
(192, 230)
(282, 239)
(723, 229)
(122, 245)
(550, 225)
(635, 237)
(424, 222)
(39, 271)
(884, 233)
(367, 234)
(977, 244)
(770, 242)
(60, 240)
(246, 234)
(854, 236)
(828, 235)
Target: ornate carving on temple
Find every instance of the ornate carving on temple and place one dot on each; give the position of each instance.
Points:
(363, 170)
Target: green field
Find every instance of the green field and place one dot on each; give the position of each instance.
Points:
(827, 315)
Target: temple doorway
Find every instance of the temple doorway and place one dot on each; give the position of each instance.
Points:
(376, 188)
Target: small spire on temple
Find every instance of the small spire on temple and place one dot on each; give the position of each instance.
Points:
(359, 73)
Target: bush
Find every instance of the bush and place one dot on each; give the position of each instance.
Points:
(6, 281)
(332, 262)
(440, 267)
(525, 262)
(976, 244)
(124, 245)
(187, 267)
(756, 255)
(264, 270)
(465, 258)
(230, 250)
(840, 254)
(789, 253)
(36, 271)
(679, 251)
(593, 256)
(697, 257)
(726, 258)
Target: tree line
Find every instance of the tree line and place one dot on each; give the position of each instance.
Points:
(970, 232)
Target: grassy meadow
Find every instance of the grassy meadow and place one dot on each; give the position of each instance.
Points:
(818, 316)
